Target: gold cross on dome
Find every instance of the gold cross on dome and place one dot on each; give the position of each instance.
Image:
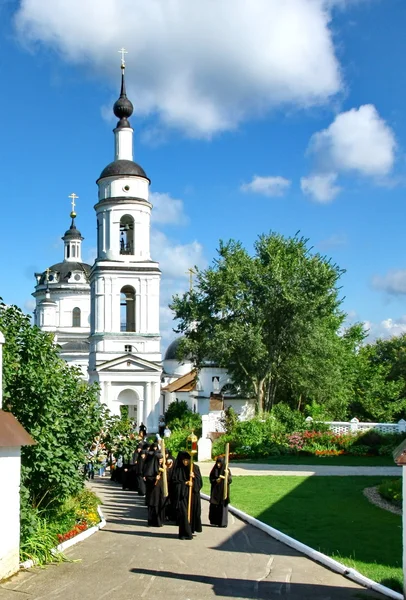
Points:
(123, 52)
(47, 274)
(74, 197)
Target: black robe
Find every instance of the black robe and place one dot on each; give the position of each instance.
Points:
(156, 500)
(181, 496)
(148, 472)
(139, 473)
(218, 511)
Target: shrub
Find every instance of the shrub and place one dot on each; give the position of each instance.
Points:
(179, 417)
(292, 420)
(392, 491)
(177, 441)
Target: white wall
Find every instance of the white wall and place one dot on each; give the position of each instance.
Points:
(9, 511)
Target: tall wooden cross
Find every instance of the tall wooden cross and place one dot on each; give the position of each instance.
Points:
(123, 52)
(74, 197)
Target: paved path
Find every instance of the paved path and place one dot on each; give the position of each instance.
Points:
(303, 470)
(128, 560)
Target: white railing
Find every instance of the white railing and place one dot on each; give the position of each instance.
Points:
(356, 426)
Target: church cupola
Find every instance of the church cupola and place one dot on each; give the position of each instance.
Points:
(73, 238)
(123, 210)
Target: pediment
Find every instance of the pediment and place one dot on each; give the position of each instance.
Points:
(129, 363)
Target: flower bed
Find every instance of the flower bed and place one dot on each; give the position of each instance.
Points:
(267, 440)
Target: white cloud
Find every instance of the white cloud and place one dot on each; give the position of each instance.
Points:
(29, 305)
(267, 186)
(386, 329)
(202, 67)
(167, 210)
(394, 282)
(175, 259)
(321, 188)
(358, 140)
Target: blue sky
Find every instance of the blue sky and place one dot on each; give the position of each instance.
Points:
(248, 117)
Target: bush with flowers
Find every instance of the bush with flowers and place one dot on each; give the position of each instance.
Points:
(272, 436)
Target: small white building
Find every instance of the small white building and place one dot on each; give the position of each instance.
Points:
(211, 391)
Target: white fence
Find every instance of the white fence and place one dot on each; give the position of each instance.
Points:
(211, 423)
(355, 426)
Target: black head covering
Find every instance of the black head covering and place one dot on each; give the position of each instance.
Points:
(181, 471)
(217, 471)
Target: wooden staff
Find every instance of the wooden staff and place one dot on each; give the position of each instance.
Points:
(164, 471)
(189, 503)
(227, 460)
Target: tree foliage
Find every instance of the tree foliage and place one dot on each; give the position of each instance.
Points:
(53, 403)
(380, 383)
(254, 314)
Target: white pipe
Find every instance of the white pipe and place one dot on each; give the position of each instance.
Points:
(315, 555)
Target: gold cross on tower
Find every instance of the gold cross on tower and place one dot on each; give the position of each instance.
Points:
(74, 197)
(123, 52)
(47, 275)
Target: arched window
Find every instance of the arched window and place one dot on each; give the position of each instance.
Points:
(76, 317)
(229, 390)
(127, 309)
(126, 235)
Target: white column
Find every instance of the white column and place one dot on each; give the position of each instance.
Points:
(140, 412)
(147, 421)
(123, 137)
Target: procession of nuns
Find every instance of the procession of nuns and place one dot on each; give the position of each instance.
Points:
(174, 497)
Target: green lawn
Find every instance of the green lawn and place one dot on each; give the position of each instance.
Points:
(342, 460)
(329, 514)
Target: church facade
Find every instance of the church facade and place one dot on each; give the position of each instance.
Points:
(105, 316)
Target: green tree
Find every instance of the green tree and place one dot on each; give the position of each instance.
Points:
(53, 403)
(379, 392)
(251, 314)
(321, 374)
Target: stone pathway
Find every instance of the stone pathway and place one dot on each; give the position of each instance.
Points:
(303, 470)
(128, 560)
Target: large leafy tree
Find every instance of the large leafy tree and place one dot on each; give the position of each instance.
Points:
(53, 403)
(252, 314)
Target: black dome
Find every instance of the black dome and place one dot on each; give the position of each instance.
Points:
(123, 167)
(64, 269)
(123, 108)
(171, 352)
(73, 233)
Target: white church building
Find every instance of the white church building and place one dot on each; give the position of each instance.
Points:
(105, 317)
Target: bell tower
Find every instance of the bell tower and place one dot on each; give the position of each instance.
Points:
(125, 356)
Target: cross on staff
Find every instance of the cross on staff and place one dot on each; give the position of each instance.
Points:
(191, 272)
(123, 52)
(74, 197)
(47, 275)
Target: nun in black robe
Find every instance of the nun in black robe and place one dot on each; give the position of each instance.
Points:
(218, 511)
(139, 472)
(170, 505)
(181, 483)
(148, 469)
(156, 500)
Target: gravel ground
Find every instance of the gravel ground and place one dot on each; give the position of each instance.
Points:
(375, 498)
